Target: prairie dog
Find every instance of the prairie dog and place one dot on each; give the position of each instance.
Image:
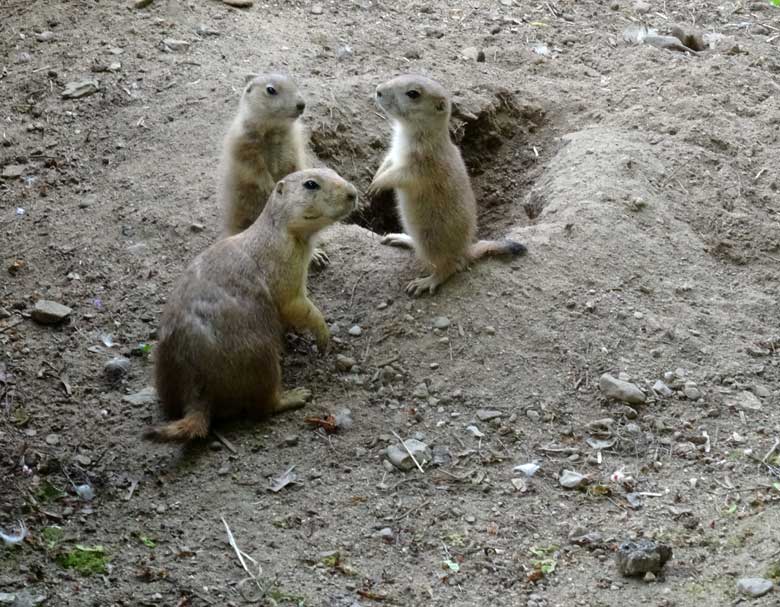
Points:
(435, 200)
(220, 334)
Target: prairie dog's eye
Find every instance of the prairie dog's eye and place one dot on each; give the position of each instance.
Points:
(412, 94)
(311, 185)
(270, 90)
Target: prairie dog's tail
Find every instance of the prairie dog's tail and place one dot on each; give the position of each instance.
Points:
(194, 424)
(493, 248)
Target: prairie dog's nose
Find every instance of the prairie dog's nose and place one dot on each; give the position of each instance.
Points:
(379, 91)
(301, 105)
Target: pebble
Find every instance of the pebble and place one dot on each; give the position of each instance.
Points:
(83, 460)
(215, 445)
(533, 415)
(485, 415)
(691, 392)
(82, 88)
(649, 577)
(754, 586)
(618, 389)
(224, 470)
(344, 363)
(490, 330)
(400, 458)
(316, 9)
(197, 227)
(50, 312)
(583, 537)
(239, 3)
(472, 53)
(52, 439)
(470, 519)
(434, 32)
(441, 322)
(13, 171)
(761, 391)
(412, 53)
(355, 331)
(147, 396)
(662, 389)
(290, 440)
(116, 368)
(46, 36)
(441, 455)
(142, 3)
(569, 479)
(637, 558)
(386, 534)
(173, 45)
(420, 391)
(343, 53)
(745, 400)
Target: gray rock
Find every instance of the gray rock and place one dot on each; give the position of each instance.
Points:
(344, 363)
(50, 312)
(485, 415)
(637, 558)
(53, 439)
(472, 53)
(441, 455)
(420, 391)
(173, 45)
(116, 368)
(316, 9)
(355, 331)
(147, 396)
(386, 534)
(239, 3)
(441, 322)
(344, 53)
(623, 391)
(490, 330)
(13, 171)
(569, 479)
(662, 389)
(22, 598)
(691, 392)
(583, 537)
(400, 458)
(745, 400)
(754, 586)
(82, 88)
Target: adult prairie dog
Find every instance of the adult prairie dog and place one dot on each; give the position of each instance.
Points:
(222, 327)
(435, 200)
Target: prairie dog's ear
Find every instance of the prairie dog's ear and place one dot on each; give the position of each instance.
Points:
(280, 187)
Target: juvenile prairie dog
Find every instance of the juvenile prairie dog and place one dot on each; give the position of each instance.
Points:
(435, 200)
(264, 143)
(220, 334)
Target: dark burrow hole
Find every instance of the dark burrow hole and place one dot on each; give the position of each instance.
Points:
(489, 138)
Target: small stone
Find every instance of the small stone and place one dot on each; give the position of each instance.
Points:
(382, 305)
(746, 401)
(569, 479)
(82, 88)
(142, 3)
(583, 537)
(290, 440)
(224, 469)
(83, 459)
(239, 3)
(649, 577)
(691, 392)
(761, 391)
(485, 415)
(344, 363)
(344, 53)
(50, 312)
(53, 439)
(441, 456)
(46, 36)
(215, 445)
(412, 53)
(197, 227)
(662, 389)
(490, 330)
(434, 32)
(400, 458)
(147, 396)
(172, 45)
(420, 391)
(355, 331)
(471, 519)
(623, 391)
(754, 586)
(642, 7)
(441, 322)
(386, 534)
(472, 53)
(533, 415)
(637, 558)
(116, 368)
(316, 9)
(13, 171)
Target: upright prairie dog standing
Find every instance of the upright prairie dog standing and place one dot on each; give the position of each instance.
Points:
(222, 328)
(264, 143)
(435, 200)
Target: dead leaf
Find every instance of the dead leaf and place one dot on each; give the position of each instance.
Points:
(282, 481)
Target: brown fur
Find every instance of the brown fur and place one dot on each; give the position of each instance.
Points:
(435, 199)
(221, 330)
(265, 142)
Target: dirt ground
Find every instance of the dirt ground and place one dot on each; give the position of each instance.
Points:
(644, 183)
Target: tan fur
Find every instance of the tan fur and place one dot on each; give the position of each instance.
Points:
(435, 199)
(221, 331)
(265, 142)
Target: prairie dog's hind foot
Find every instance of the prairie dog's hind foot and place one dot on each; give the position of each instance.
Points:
(319, 258)
(398, 240)
(420, 285)
(289, 400)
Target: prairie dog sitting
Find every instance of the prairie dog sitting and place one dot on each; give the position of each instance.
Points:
(435, 200)
(222, 328)
(264, 143)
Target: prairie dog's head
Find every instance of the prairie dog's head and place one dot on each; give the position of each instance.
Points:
(310, 200)
(414, 100)
(273, 97)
